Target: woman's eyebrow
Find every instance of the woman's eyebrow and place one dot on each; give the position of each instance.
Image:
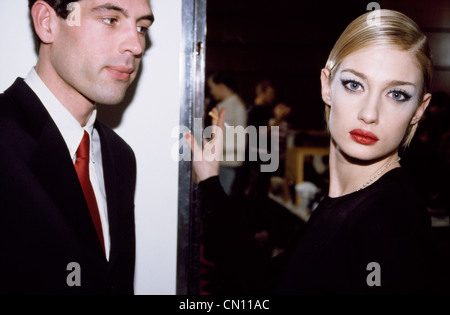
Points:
(397, 82)
(390, 83)
(359, 74)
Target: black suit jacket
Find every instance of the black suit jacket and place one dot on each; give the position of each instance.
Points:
(44, 220)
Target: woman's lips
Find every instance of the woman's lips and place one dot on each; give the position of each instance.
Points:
(363, 136)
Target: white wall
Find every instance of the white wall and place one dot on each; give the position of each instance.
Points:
(146, 125)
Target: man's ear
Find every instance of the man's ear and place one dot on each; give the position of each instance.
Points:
(44, 20)
(326, 86)
(421, 109)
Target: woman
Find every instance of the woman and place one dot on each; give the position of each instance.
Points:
(369, 235)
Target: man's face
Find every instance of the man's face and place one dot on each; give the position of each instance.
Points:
(215, 90)
(100, 58)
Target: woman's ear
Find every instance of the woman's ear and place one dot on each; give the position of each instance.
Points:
(326, 86)
(44, 18)
(421, 109)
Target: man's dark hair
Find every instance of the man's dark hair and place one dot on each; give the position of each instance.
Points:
(60, 6)
(225, 78)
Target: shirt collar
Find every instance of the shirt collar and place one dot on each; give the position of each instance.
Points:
(68, 126)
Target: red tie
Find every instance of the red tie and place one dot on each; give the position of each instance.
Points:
(82, 169)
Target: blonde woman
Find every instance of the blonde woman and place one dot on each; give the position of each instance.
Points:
(370, 233)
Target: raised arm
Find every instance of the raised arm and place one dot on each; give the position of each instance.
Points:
(206, 161)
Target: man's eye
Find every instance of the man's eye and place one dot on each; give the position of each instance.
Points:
(110, 21)
(142, 30)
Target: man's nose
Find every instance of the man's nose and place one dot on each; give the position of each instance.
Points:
(132, 41)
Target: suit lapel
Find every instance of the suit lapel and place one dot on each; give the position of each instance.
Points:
(51, 164)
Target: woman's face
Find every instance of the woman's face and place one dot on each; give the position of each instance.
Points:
(374, 96)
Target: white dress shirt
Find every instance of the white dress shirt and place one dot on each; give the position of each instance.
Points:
(73, 132)
(236, 116)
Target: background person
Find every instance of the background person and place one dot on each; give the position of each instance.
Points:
(223, 89)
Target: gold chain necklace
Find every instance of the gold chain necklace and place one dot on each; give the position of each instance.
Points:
(377, 174)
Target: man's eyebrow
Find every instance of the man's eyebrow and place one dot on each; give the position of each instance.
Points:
(110, 7)
(113, 7)
(391, 83)
(149, 17)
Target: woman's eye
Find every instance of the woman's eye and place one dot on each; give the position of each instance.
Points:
(352, 85)
(399, 96)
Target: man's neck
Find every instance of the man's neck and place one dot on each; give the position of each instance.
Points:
(79, 106)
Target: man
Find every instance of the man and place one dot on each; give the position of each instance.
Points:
(222, 88)
(66, 180)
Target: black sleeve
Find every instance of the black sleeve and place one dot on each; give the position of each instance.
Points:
(225, 222)
(228, 241)
(396, 238)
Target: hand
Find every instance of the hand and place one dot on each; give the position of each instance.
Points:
(281, 111)
(207, 161)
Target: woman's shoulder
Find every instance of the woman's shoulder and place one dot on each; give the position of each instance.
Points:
(391, 201)
(396, 188)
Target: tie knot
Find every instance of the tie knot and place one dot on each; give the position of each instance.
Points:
(83, 148)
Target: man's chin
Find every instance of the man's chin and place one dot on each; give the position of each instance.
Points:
(110, 102)
(112, 98)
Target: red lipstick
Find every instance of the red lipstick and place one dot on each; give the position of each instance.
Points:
(363, 136)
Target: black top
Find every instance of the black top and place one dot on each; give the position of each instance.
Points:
(385, 223)
(259, 115)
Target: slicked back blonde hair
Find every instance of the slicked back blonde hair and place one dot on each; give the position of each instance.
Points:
(387, 28)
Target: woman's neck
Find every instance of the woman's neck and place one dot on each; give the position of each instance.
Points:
(348, 175)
